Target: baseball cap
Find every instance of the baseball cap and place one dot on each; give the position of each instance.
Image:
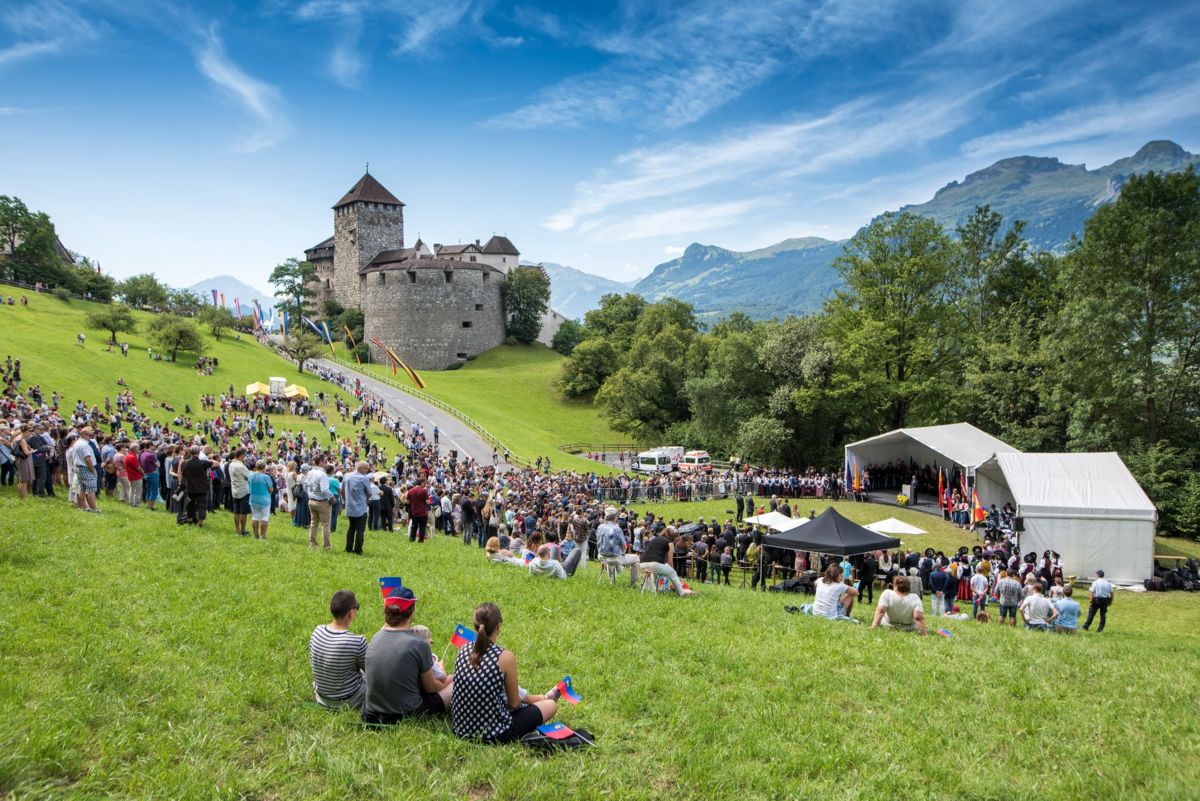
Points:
(402, 597)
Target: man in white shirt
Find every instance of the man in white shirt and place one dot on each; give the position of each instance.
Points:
(316, 484)
(85, 477)
(979, 593)
(1101, 598)
(239, 488)
(1037, 610)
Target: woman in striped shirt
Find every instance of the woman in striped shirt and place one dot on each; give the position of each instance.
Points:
(337, 656)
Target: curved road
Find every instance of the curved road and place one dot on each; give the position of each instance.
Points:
(452, 432)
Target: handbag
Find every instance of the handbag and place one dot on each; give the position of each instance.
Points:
(580, 738)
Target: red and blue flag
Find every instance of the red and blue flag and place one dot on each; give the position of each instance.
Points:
(388, 585)
(568, 691)
(945, 633)
(462, 636)
(555, 731)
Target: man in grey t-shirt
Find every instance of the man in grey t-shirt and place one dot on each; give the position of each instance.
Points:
(399, 667)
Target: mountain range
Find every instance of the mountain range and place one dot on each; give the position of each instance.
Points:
(796, 275)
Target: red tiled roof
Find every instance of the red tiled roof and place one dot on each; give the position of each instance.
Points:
(368, 190)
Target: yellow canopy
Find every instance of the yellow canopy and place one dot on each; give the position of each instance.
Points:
(258, 388)
(292, 390)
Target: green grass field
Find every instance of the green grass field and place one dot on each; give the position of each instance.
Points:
(42, 336)
(141, 660)
(510, 391)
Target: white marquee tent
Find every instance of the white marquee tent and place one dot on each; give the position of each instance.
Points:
(1086, 506)
(959, 444)
(777, 521)
(895, 527)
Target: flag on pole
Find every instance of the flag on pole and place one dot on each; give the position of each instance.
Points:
(283, 321)
(568, 691)
(941, 490)
(388, 584)
(849, 478)
(328, 337)
(353, 345)
(237, 304)
(214, 297)
(977, 512)
(222, 300)
(857, 478)
(462, 636)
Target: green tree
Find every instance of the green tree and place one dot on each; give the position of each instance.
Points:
(568, 335)
(731, 389)
(15, 220)
(217, 318)
(896, 323)
(590, 363)
(1130, 324)
(764, 440)
(646, 397)
(113, 319)
(615, 319)
(301, 346)
(294, 285)
(90, 282)
(172, 333)
(185, 301)
(144, 291)
(526, 295)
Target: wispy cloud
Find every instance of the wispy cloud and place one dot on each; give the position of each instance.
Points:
(671, 65)
(1162, 103)
(260, 100)
(346, 18)
(44, 29)
(757, 160)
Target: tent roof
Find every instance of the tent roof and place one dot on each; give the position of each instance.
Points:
(294, 389)
(961, 443)
(776, 521)
(258, 388)
(894, 526)
(829, 532)
(1071, 484)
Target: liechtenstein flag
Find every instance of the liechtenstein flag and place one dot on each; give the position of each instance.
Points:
(462, 636)
(555, 731)
(388, 584)
(568, 691)
(945, 633)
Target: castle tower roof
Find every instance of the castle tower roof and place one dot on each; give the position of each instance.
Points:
(368, 190)
(501, 245)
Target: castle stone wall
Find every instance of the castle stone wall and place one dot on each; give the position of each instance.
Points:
(360, 231)
(422, 319)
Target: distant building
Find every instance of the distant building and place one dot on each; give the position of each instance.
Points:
(436, 307)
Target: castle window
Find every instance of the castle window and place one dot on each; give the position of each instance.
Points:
(461, 355)
(504, 259)
(485, 277)
(328, 284)
(466, 323)
(383, 278)
(412, 277)
(449, 276)
(472, 258)
(478, 307)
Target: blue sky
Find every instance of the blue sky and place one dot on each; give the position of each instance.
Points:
(196, 139)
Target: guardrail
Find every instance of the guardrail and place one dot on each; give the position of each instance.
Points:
(425, 397)
(589, 447)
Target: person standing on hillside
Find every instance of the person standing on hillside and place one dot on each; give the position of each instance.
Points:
(239, 490)
(260, 484)
(356, 491)
(1101, 598)
(85, 474)
(316, 487)
(133, 472)
(194, 476)
(418, 503)
(148, 461)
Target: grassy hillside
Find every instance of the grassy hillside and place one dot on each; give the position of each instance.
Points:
(141, 660)
(42, 335)
(510, 391)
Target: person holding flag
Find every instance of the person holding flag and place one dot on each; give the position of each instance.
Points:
(401, 682)
(487, 702)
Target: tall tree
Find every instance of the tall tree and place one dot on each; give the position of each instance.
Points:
(185, 301)
(172, 333)
(301, 346)
(144, 291)
(294, 286)
(113, 319)
(217, 318)
(1130, 324)
(615, 319)
(568, 335)
(895, 323)
(526, 298)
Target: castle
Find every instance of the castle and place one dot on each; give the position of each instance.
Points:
(436, 307)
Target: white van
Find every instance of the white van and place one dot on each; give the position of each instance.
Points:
(654, 462)
(695, 462)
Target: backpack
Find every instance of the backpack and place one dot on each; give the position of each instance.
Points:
(580, 738)
(1156, 585)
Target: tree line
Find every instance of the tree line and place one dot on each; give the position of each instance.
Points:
(1097, 349)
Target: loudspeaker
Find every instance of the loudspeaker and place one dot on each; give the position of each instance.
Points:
(1018, 524)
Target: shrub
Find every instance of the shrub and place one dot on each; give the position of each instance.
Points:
(62, 294)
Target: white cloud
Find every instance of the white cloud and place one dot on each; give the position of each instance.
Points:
(674, 64)
(674, 250)
(1174, 99)
(260, 100)
(44, 29)
(345, 18)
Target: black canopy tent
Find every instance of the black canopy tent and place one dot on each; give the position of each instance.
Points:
(831, 533)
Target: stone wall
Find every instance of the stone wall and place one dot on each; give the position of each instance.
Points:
(420, 315)
(360, 231)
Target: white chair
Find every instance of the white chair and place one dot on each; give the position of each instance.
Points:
(610, 569)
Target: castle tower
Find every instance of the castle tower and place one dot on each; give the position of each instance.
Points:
(366, 221)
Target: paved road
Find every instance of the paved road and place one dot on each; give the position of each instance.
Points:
(452, 432)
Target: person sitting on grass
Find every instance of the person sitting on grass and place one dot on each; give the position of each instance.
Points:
(900, 609)
(1069, 610)
(487, 702)
(833, 598)
(1037, 610)
(546, 565)
(495, 553)
(399, 666)
(337, 657)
